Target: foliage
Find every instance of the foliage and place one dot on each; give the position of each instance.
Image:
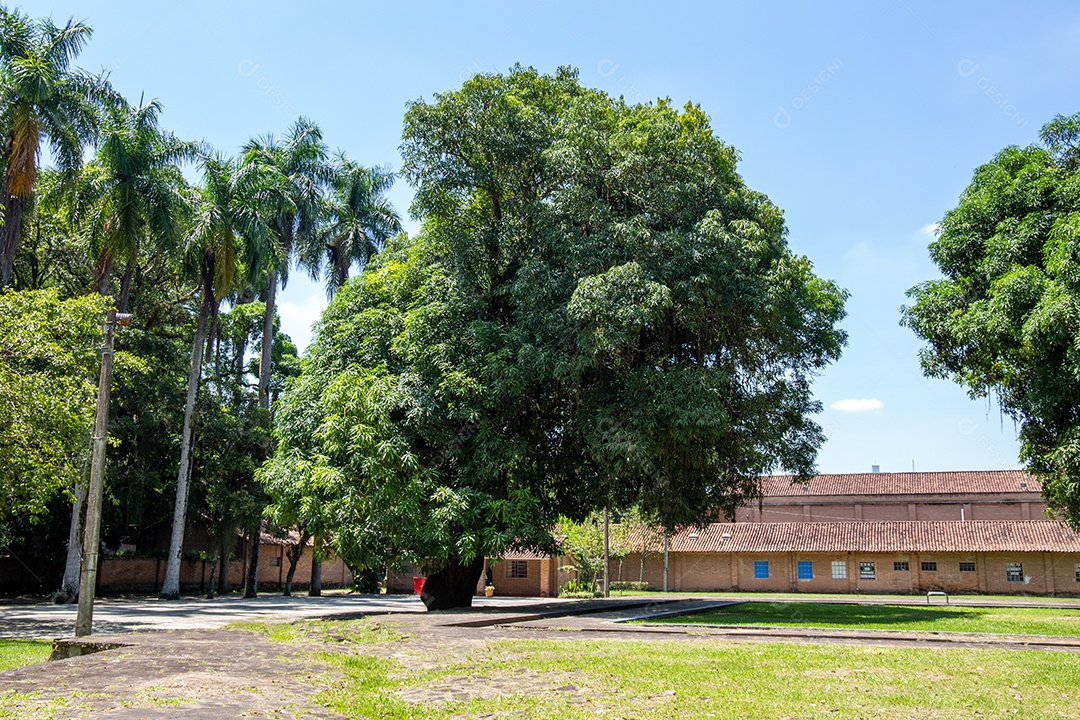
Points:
(1005, 317)
(583, 542)
(49, 360)
(41, 96)
(597, 312)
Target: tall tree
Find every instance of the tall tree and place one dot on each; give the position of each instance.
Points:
(132, 193)
(360, 219)
(41, 97)
(1004, 319)
(285, 178)
(213, 252)
(598, 312)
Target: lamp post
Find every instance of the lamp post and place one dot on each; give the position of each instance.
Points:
(92, 533)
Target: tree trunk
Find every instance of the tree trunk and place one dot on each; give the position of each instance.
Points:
(453, 586)
(213, 577)
(315, 589)
(102, 270)
(267, 341)
(170, 590)
(294, 553)
(251, 578)
(13, 210)
(124, 298)
(223, 569)
(73, 565)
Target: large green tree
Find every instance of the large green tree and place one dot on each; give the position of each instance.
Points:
(597, 312)
(1005, 318)
(48, 370)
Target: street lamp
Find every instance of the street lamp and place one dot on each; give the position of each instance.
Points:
(92, 534)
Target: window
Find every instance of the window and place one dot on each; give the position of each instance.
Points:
(967, 567)
(901, 566)
(761, 569)
(929, 566)
(1078, 573)
(866, 571)
(275, 562)
(806, 570)
(839, 570)
(1014, 572)
(517, 569)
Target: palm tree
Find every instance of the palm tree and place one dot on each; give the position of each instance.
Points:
(131, 193)
(288, 177)
(214, 253)
(360, 222)
(41, 96)
(283, 181)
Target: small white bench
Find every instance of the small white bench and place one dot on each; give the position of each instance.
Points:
(937, 593)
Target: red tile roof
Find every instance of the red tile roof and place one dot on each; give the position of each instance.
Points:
(291, 537)
(914, 483)
(877, 536)
(524, 555)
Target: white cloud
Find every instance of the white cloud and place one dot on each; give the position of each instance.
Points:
(857, 405)
(931, 230)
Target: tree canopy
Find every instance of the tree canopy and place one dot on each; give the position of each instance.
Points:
(1005, 318)
(596, 312)
(48, 370)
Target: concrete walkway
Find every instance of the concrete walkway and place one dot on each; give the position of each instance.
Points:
(126, 615)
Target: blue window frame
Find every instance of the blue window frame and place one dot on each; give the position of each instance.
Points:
(761, 569)
(806, 570)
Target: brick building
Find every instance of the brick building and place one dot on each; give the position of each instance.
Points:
(976, 532)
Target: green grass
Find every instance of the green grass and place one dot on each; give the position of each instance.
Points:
(16, 653)
(573, 678)
(1012, 620)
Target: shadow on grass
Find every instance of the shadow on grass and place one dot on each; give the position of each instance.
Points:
(835, 615)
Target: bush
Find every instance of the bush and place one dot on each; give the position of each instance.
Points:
(628, 585)
(579, 589)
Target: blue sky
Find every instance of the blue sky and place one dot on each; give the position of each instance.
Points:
(863, 121)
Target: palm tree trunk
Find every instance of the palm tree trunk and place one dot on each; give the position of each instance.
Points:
(13, 210)
(267, 341)
(125, 287)
(73, 565)
(102, 270)
(171, 588)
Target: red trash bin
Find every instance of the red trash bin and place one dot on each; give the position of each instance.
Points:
(418, 584)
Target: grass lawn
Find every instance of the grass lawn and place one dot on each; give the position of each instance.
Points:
(1027, 620)
(16, 653)
(578, 678)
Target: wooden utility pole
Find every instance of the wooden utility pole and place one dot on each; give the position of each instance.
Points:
(92, 533)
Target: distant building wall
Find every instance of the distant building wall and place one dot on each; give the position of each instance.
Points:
(987, 573)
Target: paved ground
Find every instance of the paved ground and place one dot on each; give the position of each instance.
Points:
(200, 673)
(123, 615)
